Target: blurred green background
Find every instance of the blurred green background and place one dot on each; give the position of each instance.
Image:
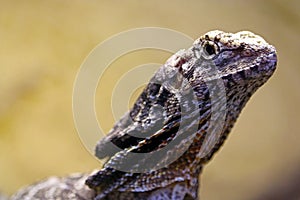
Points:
(43, 43)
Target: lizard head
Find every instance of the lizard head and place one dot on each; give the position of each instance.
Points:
(223, 70)
(237, 63)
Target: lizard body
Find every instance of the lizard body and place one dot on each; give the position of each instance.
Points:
(228, 67)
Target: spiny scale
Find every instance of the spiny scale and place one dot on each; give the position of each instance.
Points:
(192, 102)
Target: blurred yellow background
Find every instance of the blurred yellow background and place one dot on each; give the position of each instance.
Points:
(43, 43)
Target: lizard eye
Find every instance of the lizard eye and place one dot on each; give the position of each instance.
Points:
(210, 49)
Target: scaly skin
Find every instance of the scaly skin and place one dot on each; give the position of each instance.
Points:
(219, 73)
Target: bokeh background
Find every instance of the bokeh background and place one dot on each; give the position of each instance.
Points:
(43, 43)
